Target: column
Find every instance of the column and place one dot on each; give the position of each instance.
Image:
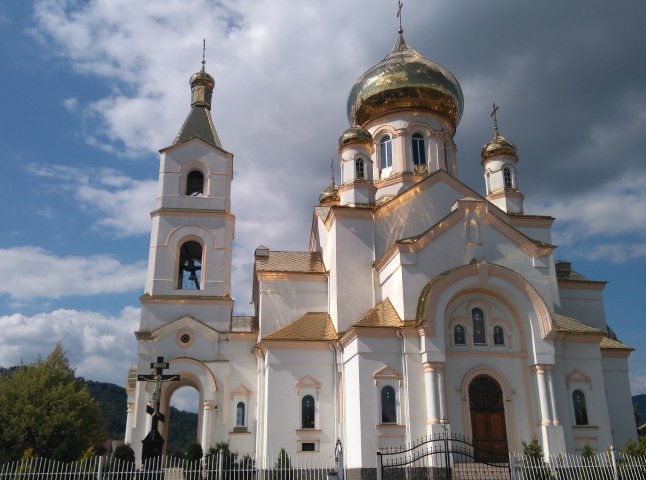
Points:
(208, 407)
(550, 386)
(441, 392)
(433, 408)
(128, 437)
(546, 417)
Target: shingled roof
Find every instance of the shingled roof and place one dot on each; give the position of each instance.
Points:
(570, 325)
(297, 262)
(312, 327)
(382, 315)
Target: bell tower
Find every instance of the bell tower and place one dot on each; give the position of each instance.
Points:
(192, 229)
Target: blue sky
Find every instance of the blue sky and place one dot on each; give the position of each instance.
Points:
(91, 90)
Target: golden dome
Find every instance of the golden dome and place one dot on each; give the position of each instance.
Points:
(202, 88)
(355, 134)
(330, 196)
(498, 145)
(405, 79)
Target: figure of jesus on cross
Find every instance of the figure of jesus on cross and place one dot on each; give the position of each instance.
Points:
(153, 443)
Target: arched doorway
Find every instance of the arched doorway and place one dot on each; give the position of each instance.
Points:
(486, 404)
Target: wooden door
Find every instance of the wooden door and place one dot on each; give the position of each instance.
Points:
(487, 419)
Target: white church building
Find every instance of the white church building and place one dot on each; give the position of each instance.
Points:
(420, 305)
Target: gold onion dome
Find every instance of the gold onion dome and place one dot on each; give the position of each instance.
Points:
(405, 79)
(330, 195)
(202, 88)
(355, 134)
(498, 145)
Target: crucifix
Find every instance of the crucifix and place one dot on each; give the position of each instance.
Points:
(153, 443)
(495, 119)
(203, 52)
(399, 15)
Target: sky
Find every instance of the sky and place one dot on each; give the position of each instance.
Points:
(91, 90)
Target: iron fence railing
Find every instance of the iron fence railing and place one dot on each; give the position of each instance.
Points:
(214, 467)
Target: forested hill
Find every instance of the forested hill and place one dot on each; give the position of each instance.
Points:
(113, 401)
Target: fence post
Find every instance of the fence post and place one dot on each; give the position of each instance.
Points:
(220, 465)
(512, 466)
(99, 470)
(613, 458)
(379, 466)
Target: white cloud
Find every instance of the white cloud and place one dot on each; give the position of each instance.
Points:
(607, 223)
(92, 340)
(70, 104)
(120, 203)
(31, 272)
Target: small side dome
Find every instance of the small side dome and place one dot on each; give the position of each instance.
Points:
(330, 196)
(355, 134)
(498, 145)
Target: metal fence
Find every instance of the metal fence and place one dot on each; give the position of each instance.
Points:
(599, 466)
(213, 467)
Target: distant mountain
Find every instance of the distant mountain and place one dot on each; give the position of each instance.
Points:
(640, 402)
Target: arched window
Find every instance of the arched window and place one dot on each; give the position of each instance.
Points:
(419, 152)
(479, 332)
(359, 173)
(195, 184)
(388, 405)
(189, 272)
(307, 412)
(459, 336)
(580, 408)
(386, 151)
(506, 175)
(498, 335)
(240, 417)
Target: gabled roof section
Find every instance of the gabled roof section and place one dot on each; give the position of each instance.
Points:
(198, 124)
(417, 242)
(570, 325)
(294, 262)
(382, 315)
(311, 327)
(608, 343)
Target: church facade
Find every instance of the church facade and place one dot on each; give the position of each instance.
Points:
(420, 306)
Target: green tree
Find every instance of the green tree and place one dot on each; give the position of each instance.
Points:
(43, 407)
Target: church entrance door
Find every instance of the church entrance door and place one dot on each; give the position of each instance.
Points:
(488, 419)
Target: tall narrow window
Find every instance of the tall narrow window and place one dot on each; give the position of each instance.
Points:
(195, 184)
(459, 337)
(189, 273)
(419, 152)
(388, 405)
(359, 173)
(479, 332)
(498, 335)
(240, 417)
(386, 151)
(506, 175)
(307, 412)
(580, 408)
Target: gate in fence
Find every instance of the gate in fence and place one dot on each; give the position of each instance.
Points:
(442, 457)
